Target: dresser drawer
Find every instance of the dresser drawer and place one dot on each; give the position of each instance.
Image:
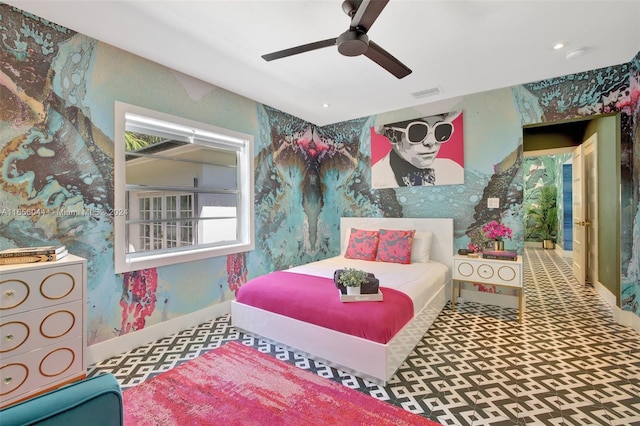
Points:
(39, 287)
(40, 369)
(27, 331)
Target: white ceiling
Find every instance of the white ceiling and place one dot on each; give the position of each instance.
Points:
(461, 47)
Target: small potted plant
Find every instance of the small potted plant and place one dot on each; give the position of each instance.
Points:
(352, 279)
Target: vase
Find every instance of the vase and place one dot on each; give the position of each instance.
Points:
(353, 290)
(498, 245)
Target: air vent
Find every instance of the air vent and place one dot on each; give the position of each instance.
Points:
(427, 92)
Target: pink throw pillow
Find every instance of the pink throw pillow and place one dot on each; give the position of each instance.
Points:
(395, 246)
(363, 245)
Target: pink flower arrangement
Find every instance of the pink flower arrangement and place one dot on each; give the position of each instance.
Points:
(496, 231)
(474, 247)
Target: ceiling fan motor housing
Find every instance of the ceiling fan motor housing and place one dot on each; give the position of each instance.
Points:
(352, 42)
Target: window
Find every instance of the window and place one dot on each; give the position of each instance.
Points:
(183, 190)
(165, 221)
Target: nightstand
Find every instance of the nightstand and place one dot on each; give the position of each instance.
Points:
(505, 273)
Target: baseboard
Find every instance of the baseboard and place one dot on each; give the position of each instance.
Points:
(626, 318)
(562, 252)
(105, 350)
(557, 248)
(606, 294)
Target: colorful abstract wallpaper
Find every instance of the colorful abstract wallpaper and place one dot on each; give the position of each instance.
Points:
(57, 91)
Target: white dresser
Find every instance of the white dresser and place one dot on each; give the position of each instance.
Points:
(42, 327)
(506, 273)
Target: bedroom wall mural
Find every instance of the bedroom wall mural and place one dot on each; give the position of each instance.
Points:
(138, 299)
(307, 177)
(299, 166)
(56, 155)
(630, 168)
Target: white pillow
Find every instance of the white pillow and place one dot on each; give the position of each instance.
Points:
(421, 247)
(345, 243)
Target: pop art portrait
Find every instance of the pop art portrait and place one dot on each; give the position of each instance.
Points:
(423, 151)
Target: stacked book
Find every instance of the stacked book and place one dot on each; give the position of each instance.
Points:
(32, 254)
(500, 255)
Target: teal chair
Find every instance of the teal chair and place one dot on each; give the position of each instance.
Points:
(96, 401)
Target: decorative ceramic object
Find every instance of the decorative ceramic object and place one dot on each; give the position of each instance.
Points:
(353, 290)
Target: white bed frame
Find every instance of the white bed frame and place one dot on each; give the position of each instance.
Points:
(369, 360)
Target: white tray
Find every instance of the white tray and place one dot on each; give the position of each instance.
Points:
(375, 297)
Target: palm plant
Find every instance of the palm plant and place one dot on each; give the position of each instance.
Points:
(544, 215)
(135, 141)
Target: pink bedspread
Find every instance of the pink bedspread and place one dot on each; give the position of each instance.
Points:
(316, 300)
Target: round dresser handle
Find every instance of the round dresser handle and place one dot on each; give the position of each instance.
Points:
(9, 294)
(8, 337)
(7, 380)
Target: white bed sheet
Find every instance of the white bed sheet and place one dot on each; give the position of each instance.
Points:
(419, 281)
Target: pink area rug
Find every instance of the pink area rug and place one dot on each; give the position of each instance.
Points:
(237, 385)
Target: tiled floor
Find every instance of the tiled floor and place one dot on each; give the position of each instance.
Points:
(568, 363)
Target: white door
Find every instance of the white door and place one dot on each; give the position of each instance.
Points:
(579, 216)
(585, 211)
(590, 152)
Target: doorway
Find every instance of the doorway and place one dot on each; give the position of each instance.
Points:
(548, 172)
(553, 144)
(605, 260)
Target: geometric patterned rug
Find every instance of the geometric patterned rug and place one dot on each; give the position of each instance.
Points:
(567, 363)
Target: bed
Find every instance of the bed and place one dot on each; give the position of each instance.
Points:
(424, 282)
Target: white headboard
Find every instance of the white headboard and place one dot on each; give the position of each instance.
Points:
(441, 246)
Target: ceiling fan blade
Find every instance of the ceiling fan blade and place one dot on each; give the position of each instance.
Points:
(386, 60)
(299, 49)
(367, 13)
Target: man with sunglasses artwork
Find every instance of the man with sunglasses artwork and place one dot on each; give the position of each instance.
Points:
(413, 160)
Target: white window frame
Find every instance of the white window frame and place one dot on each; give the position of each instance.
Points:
(240, 142)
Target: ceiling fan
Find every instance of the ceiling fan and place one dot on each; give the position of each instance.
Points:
(354, 41)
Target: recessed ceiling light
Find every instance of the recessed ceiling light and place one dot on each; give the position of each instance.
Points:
(325, 105)
(559, 46)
